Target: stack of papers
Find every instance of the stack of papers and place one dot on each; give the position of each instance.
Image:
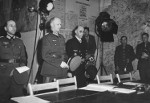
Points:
(29, 99)
(98, 87)
(123, 90)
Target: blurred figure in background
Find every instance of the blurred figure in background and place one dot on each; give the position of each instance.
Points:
(124, 55)
(143, 55)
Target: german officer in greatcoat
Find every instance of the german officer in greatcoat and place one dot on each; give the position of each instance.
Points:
(12, 55)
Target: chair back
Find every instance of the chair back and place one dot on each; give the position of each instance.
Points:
(124, 77)
(45, 88)
(67, 84)
(106, 79)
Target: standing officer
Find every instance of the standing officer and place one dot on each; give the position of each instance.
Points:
(53, 53)
(124, 55)
(143, 55)
(77, 47)
(12, 55)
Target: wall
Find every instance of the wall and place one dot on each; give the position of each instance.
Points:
(131, 17)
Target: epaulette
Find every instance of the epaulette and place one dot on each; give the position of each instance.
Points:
(1, 36)
(46, 33)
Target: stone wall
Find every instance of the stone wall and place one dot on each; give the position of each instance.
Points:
(131, 17)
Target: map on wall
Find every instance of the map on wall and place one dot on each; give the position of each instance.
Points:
(59, 11)
(92, 23)
(71, 20)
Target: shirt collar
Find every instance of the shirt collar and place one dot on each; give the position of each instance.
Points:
(80, 40)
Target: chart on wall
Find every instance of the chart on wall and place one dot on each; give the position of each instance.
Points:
(59, 11)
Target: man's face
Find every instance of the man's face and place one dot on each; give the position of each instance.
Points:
(86, 32)
(145, 38)
(124, 40)
(56, 25)
(79, 32)
(11, 27)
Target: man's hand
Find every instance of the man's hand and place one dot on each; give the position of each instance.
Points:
(144, 55)
(64, 65)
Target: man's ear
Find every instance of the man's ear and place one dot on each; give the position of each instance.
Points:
(5, 28)
(76, 31)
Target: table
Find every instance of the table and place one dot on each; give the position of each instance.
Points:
(87, 96)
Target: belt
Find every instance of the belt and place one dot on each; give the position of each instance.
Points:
(10, 60)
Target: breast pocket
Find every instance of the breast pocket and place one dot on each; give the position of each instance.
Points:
(17, 49)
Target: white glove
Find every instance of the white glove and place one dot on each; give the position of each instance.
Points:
(64, 65)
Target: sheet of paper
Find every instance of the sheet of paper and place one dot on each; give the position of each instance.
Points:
(99, 87)
(122, 90)
(132, 83)
(29, 99)
(22, 69)
(93, 89)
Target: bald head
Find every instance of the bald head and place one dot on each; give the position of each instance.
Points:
(55, 24)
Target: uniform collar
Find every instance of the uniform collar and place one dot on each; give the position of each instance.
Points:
(10, 36)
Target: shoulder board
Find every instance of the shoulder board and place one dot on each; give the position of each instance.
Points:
(46, 33)
(1, 36)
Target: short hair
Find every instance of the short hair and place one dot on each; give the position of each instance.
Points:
(145, 34)
(87, 28)
(123, 37)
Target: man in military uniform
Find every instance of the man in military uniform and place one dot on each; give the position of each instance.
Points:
(77, 47)
(124, 55)
(12, 55)
(53, 53)
(143, 55)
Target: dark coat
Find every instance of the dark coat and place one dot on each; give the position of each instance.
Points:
(73, 48)
(143, 63)
(53, 51)
(91, 45)
(121, 56)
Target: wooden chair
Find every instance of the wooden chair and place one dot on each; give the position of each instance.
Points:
(124, 77)
(106, 79)
(67, 84)
(45, 88)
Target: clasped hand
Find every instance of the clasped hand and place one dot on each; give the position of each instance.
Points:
(64, 65)
(144, 55)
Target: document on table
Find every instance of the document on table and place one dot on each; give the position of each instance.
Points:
(22, 69)
(29, 99)
(132, 83)
(98, 87)
(123, 90)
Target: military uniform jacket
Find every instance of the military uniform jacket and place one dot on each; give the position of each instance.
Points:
(53, 51)
(121, 56)
(91, 45)
(74, 47)
(12, 49)
(139, 50)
